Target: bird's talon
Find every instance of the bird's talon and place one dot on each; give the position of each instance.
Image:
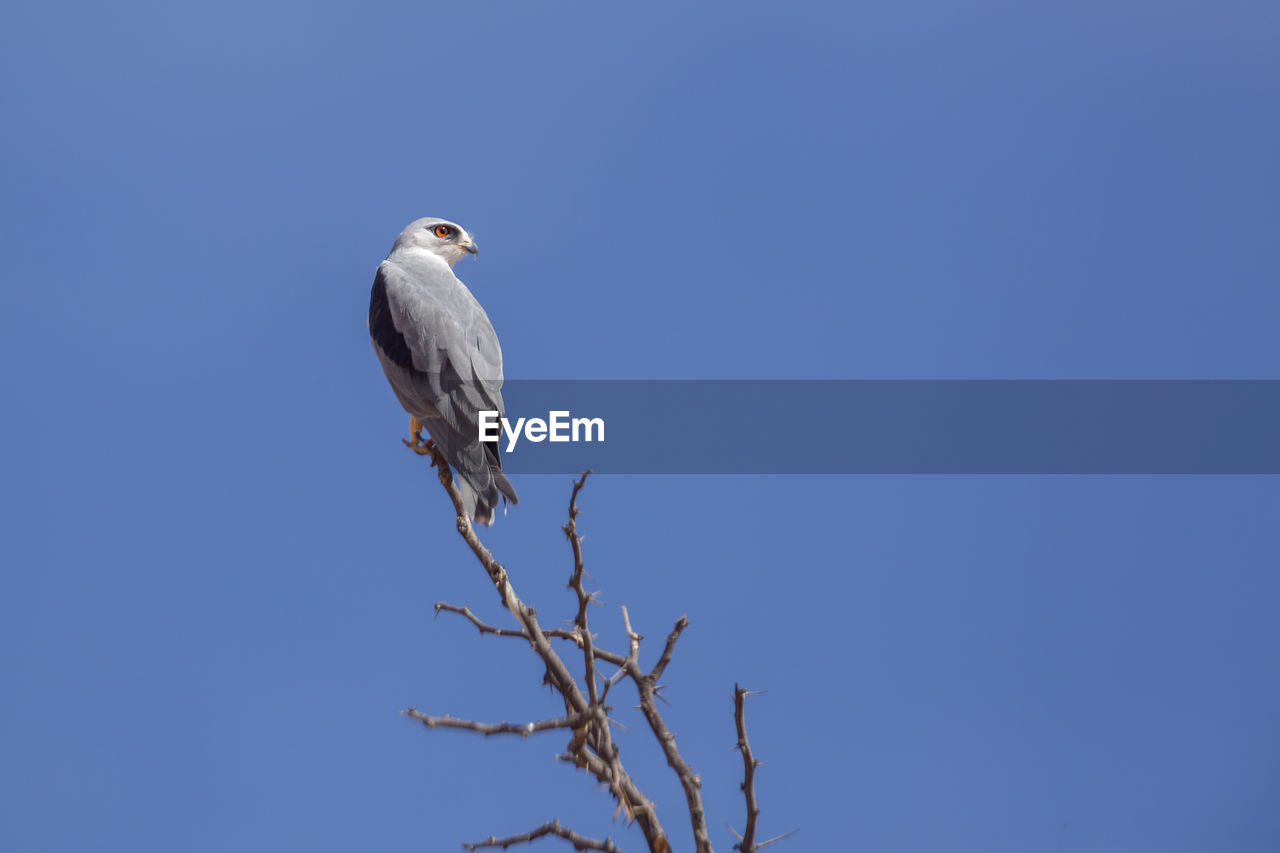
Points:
(420, 447)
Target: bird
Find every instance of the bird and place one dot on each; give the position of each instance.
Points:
(441, 355)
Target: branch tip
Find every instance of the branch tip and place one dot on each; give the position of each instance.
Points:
(747, 841)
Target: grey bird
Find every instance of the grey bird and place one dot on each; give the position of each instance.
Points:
(441, 356)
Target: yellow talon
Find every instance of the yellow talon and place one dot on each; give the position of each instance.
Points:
(417, 445)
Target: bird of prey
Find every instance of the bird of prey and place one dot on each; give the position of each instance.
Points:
(441, 356)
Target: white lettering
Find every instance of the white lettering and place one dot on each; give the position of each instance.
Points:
(587, 424)
(513, 435)
(559, 425)
(490, 426)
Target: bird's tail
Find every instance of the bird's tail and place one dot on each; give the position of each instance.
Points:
(481, 500)
(477, 468)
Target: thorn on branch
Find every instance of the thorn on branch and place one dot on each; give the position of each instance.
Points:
(783, 837)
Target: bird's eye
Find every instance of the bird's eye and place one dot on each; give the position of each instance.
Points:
(442, 230)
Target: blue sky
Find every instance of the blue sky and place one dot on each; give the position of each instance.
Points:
(220, 562)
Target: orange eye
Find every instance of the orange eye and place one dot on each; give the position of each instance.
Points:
(442, 230)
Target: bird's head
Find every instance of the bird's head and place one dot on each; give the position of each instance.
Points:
(439, 237)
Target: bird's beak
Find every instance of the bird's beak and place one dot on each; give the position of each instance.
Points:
(469, 245)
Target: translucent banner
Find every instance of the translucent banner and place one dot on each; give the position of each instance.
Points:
(889, 427)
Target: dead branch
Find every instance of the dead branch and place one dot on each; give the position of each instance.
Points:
(747, 840)
(503, 728)
(584, 598)
(557, 672)
(599, 737)
(554, 633)
(668, 650)
(689, 780)
(749, 764)
(579, 842)
(475, 620)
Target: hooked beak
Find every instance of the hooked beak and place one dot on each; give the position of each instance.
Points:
(469, 245)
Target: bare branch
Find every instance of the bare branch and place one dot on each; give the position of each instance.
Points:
(503, 728)
(749, 764)
(633, 800)
(747, 840)
(579, 842)
(599, 737)
(557, 672)
(554, 633)
(475, 620)
(575, 583)
(668, 650)
(633, 642)
(689, 780)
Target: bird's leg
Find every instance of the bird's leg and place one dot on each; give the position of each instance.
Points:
(418, 446)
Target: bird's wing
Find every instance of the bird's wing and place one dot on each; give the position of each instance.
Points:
(429, 324)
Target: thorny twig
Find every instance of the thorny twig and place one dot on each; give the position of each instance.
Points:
(689, 780)
(747, 840)
(575, 583)
(600, 738)
(668, 650)
(503, 728)
(749, 764)
(554, 633)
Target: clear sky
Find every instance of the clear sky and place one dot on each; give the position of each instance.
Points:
(219, 561)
